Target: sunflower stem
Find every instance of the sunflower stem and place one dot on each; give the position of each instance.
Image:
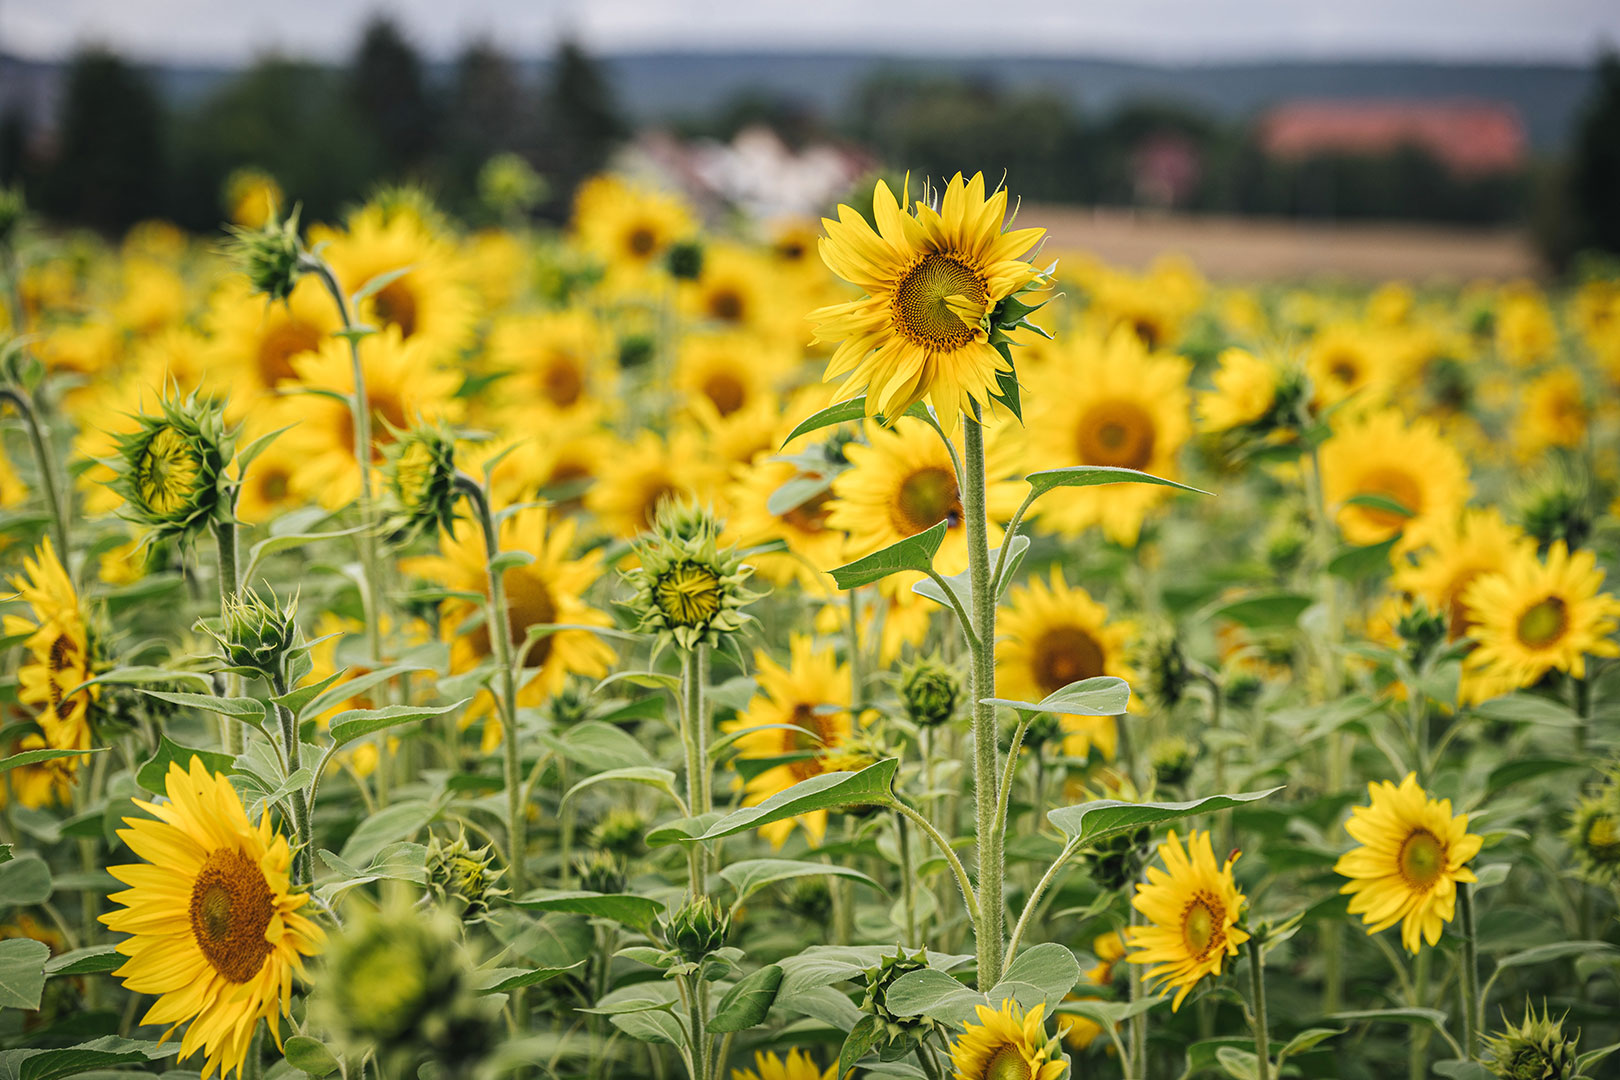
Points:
(857, 676)
(988, 931)
(694, 737)
(1136, 1068)
(969, 898)
(1417, 1061)
(44, 462)
(1469, 976)
(230, 732)
(304, 860)
(1257, 1005)
(497, 622)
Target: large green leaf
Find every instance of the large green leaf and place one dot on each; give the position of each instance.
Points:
(843, 412)
(358, 723)
(598, 746)
(22, 972)
(1092, 475)
(1092, 822)
(1103, 695)
(500, 980)
(634, 911)
(154, 771)
(829, 791)
(245, 709)
(687, 828)
(34, 757)
(24, 881)
(1048, 967)
(751, 875)
(91, 960)
(748, 1003)
(651, 775)
(309, 1056)
(98, 1054)
(395, 822)
(1275, 609)
(961, 585)
(914, 553)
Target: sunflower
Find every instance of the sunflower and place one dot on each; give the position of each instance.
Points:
(1345, 360)
(403, 386)
(215, 928)
(1245, 388)
(737, 290)
(257, 342)
(557, 464)
(1007, 1044)
(1534, 616)
(1409, 863)
(1525, 331)
(811, 696)
(549, 590)
(1480, 542)
(1386, 456)
(647, 472)
(1053, 635)
(58, 654)
(730, 370)
(1109, 950)
(270, 485)
(496, 265)
(1112, 403)
(798, 1065)
(932, 279)
(154, 298)
(252, 197)
(813, 546)
(629, 228)
(1555, 413)
(1192, 907)
(428, 304)
(560, 361)
(902, 482)
(42, 785)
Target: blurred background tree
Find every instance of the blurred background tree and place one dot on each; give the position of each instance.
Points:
(110, 166)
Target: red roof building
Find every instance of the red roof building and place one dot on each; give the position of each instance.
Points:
(1470, 138)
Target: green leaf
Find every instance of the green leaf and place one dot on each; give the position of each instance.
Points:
(862, 1037)
(1103, 695)
(751, 875)
(309, 1056)
(1457, 1069)
(1361, 563)
(377, 284)
(914, 553)
(1382, 503)
(34, 757)
(511, 980)
(509, 560)
(652, 680)
(651, 775)
(1306, 1040)
(1528, 768)
(295, 699)
(1107, 1014)
(1048, 967)
(355, 724)
(961, 585)
(1528, 709)
(598, 746)
(931, 992)
(331, 695)
(843, 412)
(97, 1054)
(22, 972)
(1238, 1064)
(1092, 475)
(1593, 1057)
(152, 773)
(24, 881)
(637, 912)
(688, 828)
(1093, 822)
(1266, 610)
(1557, 950)
(247, 710)
(136, 676)
(1433, 1017)
(276, 544)
(829, 791)
(749, 1002)
(395, 822)
(91, 960)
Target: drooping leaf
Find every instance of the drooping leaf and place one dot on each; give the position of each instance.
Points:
(651, 775)
(961, 585)
(914, 553)
(22, 972)
(748, 1003)
(25, 881)
(1103, 695)
(246, 709)
(509, 979)
(34, 757)
(152, 773)
(355, 724)
(309, 1056)
(1092, 475)
(1277, 609)
(829, 791)
(1092, 822)
(751, 875)
(637, 912)
(103, 1053)
(931, 992)
(90, 960)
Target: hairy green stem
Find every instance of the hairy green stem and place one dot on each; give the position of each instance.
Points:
(988, 932)
(1137, 1066)
(292, 753)
(1257, 1005)
(1468, 980)
(230, 730)
(45, 462)
(969, 897)
(1035, 895)
(694, 738)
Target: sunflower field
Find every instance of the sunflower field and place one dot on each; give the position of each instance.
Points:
(917, 653)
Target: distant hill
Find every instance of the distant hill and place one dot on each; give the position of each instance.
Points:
(656, 86)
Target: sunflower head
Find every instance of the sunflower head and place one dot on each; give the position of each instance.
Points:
(1118, 860)
(1172, 758)
(272, 256)
(1536, 1049)
(1008, 1044)
(509, 186)
(601, 871)
(1163, 662)
(398, 984)
(1561, 505)
(899, 1035)
(1594, 834)
(930, 691)
(171, 469)
(687, 589)
(621, 831)
(256, 634)
(696, 929)
(463, 877)
(420, 472)
(1423, 631)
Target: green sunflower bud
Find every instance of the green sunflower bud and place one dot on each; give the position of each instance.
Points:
(900, 1035)
(1165, 664)
(687, 590)
(271, 257)
(685, 260)
(1118, 861)
(508, 185)
(696, 929)
(1561, 506)
(463, 877)
(570, 706)
(1594, 835)
(1423, 631)
(1044, 730)
(637, 350)
(809, 898)
(171, 469)
(1537, 1049)
(601, 871)
(257, 633)
(1172, 759)
(420, 473)
(621, 831)
(930, 692)
(399, 984)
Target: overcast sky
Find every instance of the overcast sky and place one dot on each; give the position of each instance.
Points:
(232, 31)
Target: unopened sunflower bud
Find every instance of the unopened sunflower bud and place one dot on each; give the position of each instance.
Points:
(1561, 506)
(1537, 1049)
(1168, 674)
(809, 898)
(696, 929)
(899, 1035)
(930, 692)
(420, 471)
(685, 260)
(1594, 835)
(621, 831)
(399, 984)
(1044, 730)
(1172, 758)
(271, 256)
(1423, 631)
(637, 350)
(508, 185)
(687, 590)
(600, 871)
(569, 706)
(463, 877)
(257, 633)
(1117, 862)
(171, 469)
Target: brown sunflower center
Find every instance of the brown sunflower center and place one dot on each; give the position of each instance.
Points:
(1201, 925)
(1147, 331)
(1118, 433)
(920, 311)
(810, 516)
(1458, 622)
(927, 497)
(642, 241)
(283, 341)
(1422, 858)
(1543, 624)
(726, 305)
(688, 593)
(1065, 654)
(231, 907)
(807, 716)
(63, 661)
(726, 391)
(528, 603)
(563, 380)
(1344, 370)
(1007, 1063)
(1397, 485)
(395, 304)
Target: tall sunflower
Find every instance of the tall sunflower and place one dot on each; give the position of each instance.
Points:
(1480, 542)
(629, 228)
(1051, 635)
(902, 482)
(1114, 403)
(1007, 1044)
(1192, 906)
(810, 695)
(730, 370)
(737, 291)
(57, 651)
(1533, 616)
(1411, 858)
(559, 361)
(549, 590)
(216, 931)
(256, 342)
(647, 472)
(1556, 412)
(798, 1065)
(1244, 391)
(1386, 456)
(932, 278)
